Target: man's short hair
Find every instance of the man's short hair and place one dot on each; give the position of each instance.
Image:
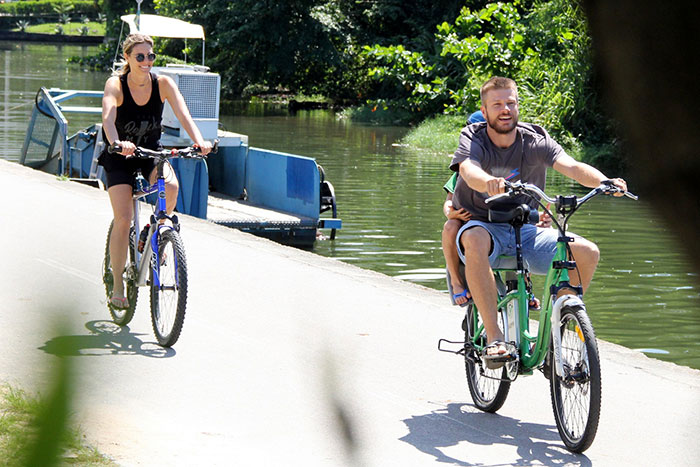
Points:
(497, 82)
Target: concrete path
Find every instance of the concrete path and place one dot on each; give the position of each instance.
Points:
(283, 352)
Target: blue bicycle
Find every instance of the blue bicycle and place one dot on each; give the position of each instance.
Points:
(156, 258)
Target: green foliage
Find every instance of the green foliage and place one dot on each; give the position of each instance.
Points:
(543, 45)
(379, 114)
(62, 8)
(307, 46)
(22, 25)
(35, 431)
(88, 29)
(51, 7)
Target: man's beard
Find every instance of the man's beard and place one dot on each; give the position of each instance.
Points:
(502, 128)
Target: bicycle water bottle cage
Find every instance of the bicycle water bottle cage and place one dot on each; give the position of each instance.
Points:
(515, 216)
(140, 183)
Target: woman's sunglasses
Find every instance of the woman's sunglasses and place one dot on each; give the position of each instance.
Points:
(141, 57)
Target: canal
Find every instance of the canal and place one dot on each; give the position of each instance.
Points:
(644, 295)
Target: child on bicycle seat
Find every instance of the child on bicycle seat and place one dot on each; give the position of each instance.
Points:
(455, 219)
(132, 107)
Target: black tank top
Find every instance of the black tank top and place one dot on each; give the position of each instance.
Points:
(140, 124)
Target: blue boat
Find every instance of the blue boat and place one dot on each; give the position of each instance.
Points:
(271, 194)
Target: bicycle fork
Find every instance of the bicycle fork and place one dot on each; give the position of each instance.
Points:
(561, 302)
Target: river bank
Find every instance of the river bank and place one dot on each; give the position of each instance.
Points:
(390, 197)
(49, 38)
(346, 335)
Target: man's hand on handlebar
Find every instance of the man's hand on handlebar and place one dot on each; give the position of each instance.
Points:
(496, 186)
(619, 183)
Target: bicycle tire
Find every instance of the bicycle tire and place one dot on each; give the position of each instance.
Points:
(169, 299)
(122, 317)
(576, 398)
(487, 393)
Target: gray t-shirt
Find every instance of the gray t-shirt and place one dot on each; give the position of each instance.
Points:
(527, 159)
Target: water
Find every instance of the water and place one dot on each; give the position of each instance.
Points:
(644, 295)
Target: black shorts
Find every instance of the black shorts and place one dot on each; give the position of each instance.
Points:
(122, 171)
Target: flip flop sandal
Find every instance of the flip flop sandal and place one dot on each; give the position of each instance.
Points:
(119, 303)
(495, 361)
(461, 294)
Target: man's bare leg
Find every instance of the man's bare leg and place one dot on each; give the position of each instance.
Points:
(482, 285)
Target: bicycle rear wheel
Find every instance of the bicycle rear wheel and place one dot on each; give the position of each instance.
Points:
(121, 317)
(169, 297)
(487, 388)
(576, 396)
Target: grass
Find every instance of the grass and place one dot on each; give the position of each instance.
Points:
(71, 29)
(440, 135)
(19, 430)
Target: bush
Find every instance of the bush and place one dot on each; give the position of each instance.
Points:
(89, 8)
(543, 45)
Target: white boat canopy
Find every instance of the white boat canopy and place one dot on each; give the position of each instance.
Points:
(162, 26)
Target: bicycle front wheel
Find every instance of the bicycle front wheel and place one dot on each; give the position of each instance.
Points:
(168, 288)
(488, 388)
(120, 316)
(576, 395)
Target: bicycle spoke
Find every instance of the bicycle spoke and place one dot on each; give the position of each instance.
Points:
(168, 299)
(576, 395)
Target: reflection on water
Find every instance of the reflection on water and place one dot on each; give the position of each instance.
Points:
(26, 67)
(644, 295)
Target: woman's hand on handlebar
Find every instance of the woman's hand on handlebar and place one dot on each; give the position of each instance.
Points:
(127, 148)
(204, 148)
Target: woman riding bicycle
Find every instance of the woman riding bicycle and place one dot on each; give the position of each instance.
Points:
(132, 108)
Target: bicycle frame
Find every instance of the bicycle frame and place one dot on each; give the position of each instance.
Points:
(143, 260)
(533, 349)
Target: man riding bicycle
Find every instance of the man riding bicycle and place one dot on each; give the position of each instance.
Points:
(490, 153)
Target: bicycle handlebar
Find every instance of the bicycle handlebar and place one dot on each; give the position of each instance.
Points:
(188, 152)
(515, 188)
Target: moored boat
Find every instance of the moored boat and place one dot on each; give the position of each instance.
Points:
(276, 195)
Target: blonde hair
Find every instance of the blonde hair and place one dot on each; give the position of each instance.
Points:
(497, 82)
(131, 41)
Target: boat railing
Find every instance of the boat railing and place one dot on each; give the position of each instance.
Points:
(47, 134)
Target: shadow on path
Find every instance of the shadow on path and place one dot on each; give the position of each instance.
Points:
(105, 338)
(462, 424)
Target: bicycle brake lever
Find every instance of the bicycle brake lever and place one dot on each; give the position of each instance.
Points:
(495, 197)
(114, 148)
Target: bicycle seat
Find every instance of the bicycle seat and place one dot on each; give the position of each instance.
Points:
(515, 215)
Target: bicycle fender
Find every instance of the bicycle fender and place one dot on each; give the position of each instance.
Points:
(561, 302)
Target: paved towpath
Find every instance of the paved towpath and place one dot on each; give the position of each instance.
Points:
(277, 342)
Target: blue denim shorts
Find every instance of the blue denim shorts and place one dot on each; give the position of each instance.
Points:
(539, 245)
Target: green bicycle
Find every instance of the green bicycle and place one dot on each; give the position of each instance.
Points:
(564, 347)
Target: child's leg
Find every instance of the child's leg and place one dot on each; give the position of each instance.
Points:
(449, 249)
